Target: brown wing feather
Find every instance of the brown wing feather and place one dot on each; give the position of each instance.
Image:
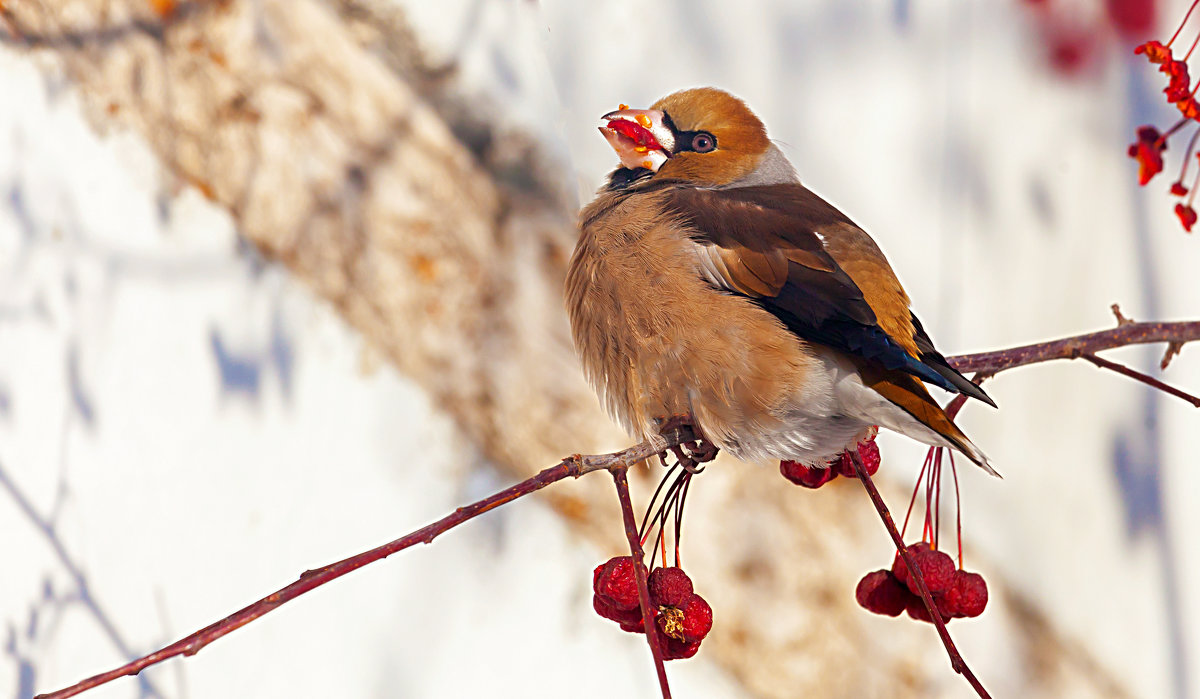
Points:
(862, 259)
(811, 266)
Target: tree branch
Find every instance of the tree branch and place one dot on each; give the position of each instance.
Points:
(986, 363)
(572, 466)
(1129, 333)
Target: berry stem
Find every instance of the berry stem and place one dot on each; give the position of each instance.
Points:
(916, 489)
(639, 571)
(956, 659)
(957, 510)
(1192, 48)
(1183, 23)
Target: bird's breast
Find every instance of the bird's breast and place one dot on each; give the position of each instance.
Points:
(658, 340)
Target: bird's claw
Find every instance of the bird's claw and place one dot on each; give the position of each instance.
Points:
(688, 454)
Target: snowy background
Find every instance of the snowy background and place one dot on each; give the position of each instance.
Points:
(184, 428)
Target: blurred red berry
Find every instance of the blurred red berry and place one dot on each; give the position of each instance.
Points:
(1070, 50)
(1148, 152)
(1131, 17)
(697, 619)
(880, 592)
(616, 583)
(800, 474)
(669, 586)
(1187, 216)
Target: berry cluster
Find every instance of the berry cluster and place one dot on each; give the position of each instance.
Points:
(956, 592)
(681, 617)
(842, 465)
(1150, 145)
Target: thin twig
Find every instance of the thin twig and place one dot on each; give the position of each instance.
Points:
(956, 659)
(1144, 378)
(639, 571)
(573, 466)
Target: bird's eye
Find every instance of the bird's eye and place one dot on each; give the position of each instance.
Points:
(704, 142)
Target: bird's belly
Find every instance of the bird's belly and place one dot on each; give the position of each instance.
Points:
(845, 410)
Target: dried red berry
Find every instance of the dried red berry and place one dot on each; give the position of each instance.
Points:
(1189, 108)
(937, 569)
(1155, 51)
(697, 619)
(1187, 216)
(674, 649)
(968, 595)
(622, 616)
(800, 474)
(880, 592)
(899, 569)
(669, 586)
(616, 583)
(1147, 150)
(916, 609)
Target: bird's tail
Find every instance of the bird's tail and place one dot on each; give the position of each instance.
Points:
(910, 395)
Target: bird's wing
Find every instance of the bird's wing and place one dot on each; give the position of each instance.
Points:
(804, 261)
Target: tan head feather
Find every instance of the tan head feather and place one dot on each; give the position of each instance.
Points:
(741, 137)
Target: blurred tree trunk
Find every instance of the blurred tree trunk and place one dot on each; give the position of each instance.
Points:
(341, 154)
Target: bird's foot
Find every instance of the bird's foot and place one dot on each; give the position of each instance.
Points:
(692, 453)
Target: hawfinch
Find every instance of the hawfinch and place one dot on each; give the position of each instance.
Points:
(708, 284)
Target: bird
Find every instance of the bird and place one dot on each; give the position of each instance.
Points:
(709, 285)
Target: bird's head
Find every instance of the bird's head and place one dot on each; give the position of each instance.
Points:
(704, 136)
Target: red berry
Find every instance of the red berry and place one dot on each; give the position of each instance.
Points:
(670, 587)
(621, 616)
(674, 649)
(800, 474)
(936, 568)
(1187, 216)
(899, 569)
(868, 453)
(968, 595)
(843, 466)
(881, 593)
(916, 609)
(697, 619)
(617, 584)
(947, 607)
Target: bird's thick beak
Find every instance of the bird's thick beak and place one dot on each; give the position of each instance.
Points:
(639, 136)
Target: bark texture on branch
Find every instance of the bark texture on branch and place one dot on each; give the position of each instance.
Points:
(318, 127)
